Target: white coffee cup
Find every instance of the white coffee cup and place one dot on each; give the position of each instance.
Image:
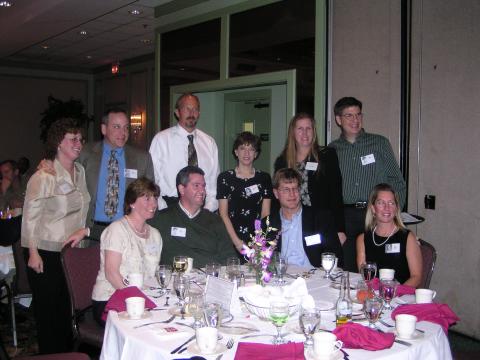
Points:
(135, 306)
(405, 325)
(386, 274)
(206, 339)
(134, 279)
(424, 296)
(189, 265)
(324, 344)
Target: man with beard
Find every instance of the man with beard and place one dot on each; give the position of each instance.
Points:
(181, 145)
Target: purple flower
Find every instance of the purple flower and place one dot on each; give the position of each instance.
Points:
(266, 276)
(258, 225)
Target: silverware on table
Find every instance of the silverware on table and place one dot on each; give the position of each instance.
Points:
(386, 324)
(182, 345)
(170, 319)
(406, 343)
(239, 327)
(255, 335)
(230, 343)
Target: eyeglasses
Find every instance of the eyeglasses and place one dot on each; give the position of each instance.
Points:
(383, 203)
(289, 191)
(190, 109)
(76, 139)
(352, 116)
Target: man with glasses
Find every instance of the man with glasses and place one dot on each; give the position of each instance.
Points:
(306, 232)
(184, 145)
(365, 160)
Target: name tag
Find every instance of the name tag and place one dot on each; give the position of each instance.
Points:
(178, 231)
(251, 190)
(131, 173)
(313, 240)
(311, 166)
(392, 248)
(368, 159)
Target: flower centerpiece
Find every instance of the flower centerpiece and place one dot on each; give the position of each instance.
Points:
(260, 250)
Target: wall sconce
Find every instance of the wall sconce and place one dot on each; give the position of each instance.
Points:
(115, 68)
(136, 122)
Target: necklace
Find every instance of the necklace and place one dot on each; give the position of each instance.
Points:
(140, 233)
(373, 236)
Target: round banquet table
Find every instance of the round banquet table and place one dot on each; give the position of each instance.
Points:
(123, 341)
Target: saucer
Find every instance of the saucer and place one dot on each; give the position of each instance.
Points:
(310, 355)
(417, 335)
(193, 348)
(124, 316)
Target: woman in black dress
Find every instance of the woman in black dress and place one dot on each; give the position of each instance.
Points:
(244, 194)
(321, 186)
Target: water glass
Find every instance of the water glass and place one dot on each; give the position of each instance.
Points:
(213, 314)
(388, 290)
(309, 320)
(181, 285)
(196, 302)
(281, 265)
(373, 309)
(279, 317)
(368, 271)
(233, 268)
(163, 275)
(212, 269)
(328, 263)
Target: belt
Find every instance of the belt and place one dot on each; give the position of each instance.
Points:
(102, 223)
(357, 205)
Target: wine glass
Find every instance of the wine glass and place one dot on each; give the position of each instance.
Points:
(163, 275)
(233, 268)
(328, 262)
(180, 285)
(368, 271)
(279, 317)
(388, 290)
(363, 291)
(372, 309)
(196, 302)
(281, 265)
(213, 314)
(180, 264)
(309, 320)
(212, 269)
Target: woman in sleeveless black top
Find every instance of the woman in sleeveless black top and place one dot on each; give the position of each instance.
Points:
(386, 240)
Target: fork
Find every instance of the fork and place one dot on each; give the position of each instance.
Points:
(170, 319)
(230, 343)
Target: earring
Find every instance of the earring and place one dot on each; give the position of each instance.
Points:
(133, 207)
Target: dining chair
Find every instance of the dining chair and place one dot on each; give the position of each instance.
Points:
(81, 267)
(429, 257)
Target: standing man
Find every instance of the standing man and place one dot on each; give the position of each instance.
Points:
(110, 166)
(365, 161)
(188, 229)
(306, 232)
(182, 145)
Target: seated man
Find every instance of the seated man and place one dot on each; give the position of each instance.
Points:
(305, 232)
(188, 229)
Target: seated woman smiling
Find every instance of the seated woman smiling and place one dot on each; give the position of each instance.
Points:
(128, 245)
(386, 241)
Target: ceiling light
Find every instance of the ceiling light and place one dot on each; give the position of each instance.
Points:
(83, 32)
(88, 57)
(45, 46)
(135, 12)
(5, 4)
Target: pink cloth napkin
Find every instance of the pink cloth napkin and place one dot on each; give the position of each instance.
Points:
(117, 300)
(356, 336)
(401, 289)
(250, 351)
(440, 314)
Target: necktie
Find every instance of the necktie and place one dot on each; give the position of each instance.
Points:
(113, 181)
(192, 153)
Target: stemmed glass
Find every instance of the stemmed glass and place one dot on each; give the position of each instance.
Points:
(279, 317)
(180, 285)
(372, 309)
(163, 275)
(213, 314)
(180, 264)
(281, 265)
(368, 271)
(328, 262)
(233, 268)
(309, 320)
(212, 269)
(388, 290)
(196, 303)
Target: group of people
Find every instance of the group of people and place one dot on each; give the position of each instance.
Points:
(110, 192)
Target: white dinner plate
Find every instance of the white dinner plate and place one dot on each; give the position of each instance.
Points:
(124, 316)
(193, 348)
(310, 355)
(417, 335)
(238, 328)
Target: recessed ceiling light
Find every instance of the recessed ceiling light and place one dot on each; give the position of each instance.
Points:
(146, 41)
(45, 46)
(83, 32)
(5, 4)
(135, 12)
(182, 69)
(88, 57)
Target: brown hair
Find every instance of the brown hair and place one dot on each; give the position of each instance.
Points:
(247, 138)
(139, 188)
(287, 175)
(56, 133)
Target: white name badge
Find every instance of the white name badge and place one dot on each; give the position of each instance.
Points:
(311, 166)
(392, 248)
(251, 190)
(178, 231)
(313, 240)
(368, 159)
(131, 173)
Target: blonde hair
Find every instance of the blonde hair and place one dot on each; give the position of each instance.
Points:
(370, 220)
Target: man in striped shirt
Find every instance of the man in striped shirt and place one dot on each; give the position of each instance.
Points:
(365, 160)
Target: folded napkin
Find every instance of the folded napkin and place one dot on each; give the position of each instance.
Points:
(117, 300)
(440, 314)
(401, 289)
(356, 336)
(249, 351)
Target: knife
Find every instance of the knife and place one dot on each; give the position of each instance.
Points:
(185, 343)
(402, 342)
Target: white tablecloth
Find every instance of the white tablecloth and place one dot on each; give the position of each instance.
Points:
(122, 341)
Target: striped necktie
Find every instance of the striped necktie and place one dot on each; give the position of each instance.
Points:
(192, 153)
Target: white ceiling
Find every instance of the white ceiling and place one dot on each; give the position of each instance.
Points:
(47, 32)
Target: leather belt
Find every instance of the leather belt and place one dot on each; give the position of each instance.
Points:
(357, 205)
(102, 223)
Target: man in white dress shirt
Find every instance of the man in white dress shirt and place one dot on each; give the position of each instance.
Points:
(181, 145)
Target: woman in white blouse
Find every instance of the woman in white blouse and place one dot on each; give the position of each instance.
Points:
(54, 214)
(128, 245)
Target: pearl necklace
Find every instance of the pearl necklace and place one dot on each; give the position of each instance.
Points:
(140, 233)
(373, 236)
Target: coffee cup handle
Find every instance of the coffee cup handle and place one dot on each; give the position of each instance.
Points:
(125, 282)
(338, 344)
(434, 294)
